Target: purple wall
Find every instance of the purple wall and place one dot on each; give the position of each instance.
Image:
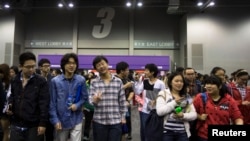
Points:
(135, 62)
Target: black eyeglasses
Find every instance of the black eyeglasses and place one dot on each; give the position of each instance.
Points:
(46, 66)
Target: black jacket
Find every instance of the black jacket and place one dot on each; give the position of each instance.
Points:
(30, 105)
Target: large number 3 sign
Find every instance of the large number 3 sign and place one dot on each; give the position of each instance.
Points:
(106, 14)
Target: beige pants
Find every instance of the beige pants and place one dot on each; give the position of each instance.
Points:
(75, 134)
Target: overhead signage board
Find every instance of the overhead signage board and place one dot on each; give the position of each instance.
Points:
(155, 44)
(49, 44)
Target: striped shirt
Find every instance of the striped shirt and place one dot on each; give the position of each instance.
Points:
(174, 124)
(111, 109)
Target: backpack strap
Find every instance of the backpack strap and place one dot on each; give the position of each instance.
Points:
(163, 96)
(204, 100)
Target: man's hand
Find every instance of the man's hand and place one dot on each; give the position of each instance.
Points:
(97, 97)
(58, 126)
(123, 121)
(73, 107)
(41, 130)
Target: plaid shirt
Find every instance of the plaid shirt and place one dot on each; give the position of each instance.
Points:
(242, 90)
(111, 109)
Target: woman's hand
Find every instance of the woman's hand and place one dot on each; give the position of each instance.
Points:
(178, 115)
(202, 117)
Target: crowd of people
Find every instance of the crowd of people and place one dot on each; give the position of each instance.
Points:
(61, 104)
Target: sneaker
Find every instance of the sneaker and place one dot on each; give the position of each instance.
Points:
(85, 138)
(129, 137)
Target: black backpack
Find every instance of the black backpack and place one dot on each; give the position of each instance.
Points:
(154, 125)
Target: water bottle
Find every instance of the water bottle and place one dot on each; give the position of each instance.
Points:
(69, 103)
(69, 100)
(178, 109)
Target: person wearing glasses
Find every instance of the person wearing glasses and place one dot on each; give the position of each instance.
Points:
(241, 93)
(194, 85)
(44, 67)
(28, 102)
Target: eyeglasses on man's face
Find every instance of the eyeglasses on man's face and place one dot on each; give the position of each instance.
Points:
(29, 66)
(46, 65)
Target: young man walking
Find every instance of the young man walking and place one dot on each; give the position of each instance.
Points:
(107, 95)
(29, 102)
(68, 94)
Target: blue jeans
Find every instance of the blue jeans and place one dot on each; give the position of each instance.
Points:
(175, 136)
(107, 132)
(143, 118)
(128, 121)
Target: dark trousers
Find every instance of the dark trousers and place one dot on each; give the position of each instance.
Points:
(49, 133)
(24, 134)
(107, 132)
(128, 121)
(87, 123)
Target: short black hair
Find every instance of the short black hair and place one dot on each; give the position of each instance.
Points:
(152, 68)
(43, 61)
(179, 69)
(218, 82)
(26, 56)
(121, 66)
(98, 59)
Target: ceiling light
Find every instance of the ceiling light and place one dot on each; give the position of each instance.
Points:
(128, 4)
(211, 3)
(6, 6)
(60, 5)
(139, 4)
(199, 3)
(71, 5)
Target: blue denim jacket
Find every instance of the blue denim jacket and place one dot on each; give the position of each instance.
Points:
(60, 89)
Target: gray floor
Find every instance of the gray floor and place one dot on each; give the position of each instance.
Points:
(135, 125)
